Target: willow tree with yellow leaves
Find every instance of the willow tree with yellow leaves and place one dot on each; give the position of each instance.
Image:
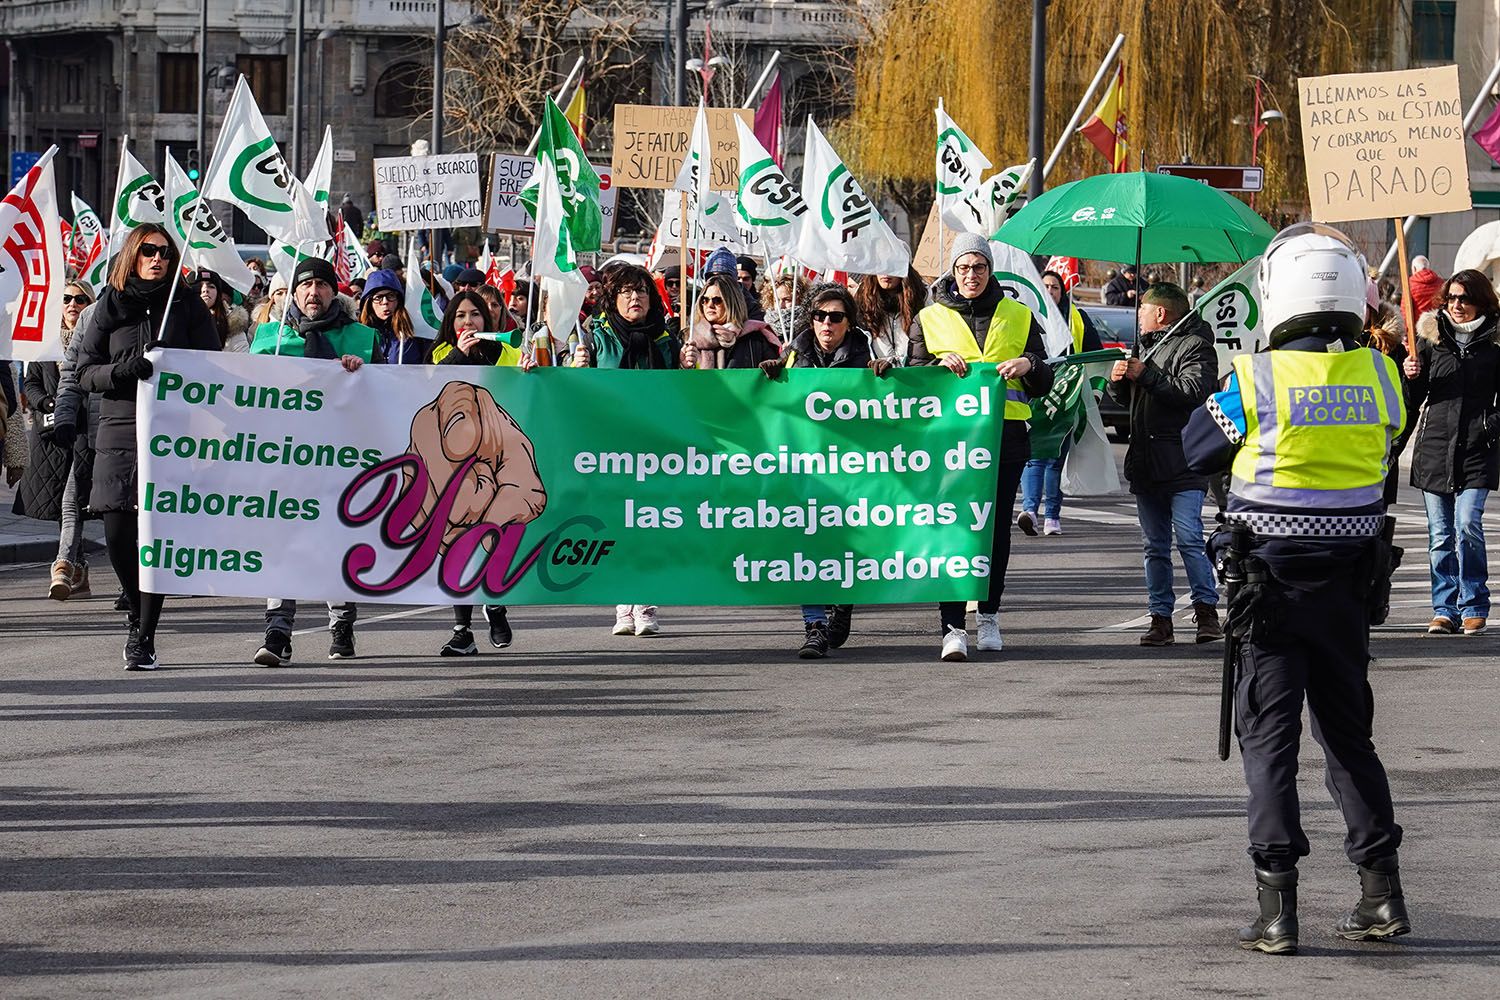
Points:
(1190, 71)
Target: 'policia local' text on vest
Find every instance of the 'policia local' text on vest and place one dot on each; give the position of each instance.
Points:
(1318, 433)
(946, 333)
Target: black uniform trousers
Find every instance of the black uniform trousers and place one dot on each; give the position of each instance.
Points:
(1315, 643)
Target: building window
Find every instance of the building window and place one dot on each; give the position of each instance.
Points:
(72, 80)
(267, 78)
(177, 83)
(403, 91)
(1432, 30)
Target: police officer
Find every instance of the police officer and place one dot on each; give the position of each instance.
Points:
(1306, 430)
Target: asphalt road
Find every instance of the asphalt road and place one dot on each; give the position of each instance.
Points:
(701, 814)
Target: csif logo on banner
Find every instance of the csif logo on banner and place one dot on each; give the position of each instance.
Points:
(192, 212)
(142, 191)
(257, 163)
(951, 150)
(769, 198)
(1234, 317)
(846, 210)
(1090, 214)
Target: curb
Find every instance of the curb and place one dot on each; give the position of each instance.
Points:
(38, 550)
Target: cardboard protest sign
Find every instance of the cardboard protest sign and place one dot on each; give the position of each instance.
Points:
(427, 192)
(263, 475)
(925, 260)
(509, 173)
(1384, 145)
(652, 142)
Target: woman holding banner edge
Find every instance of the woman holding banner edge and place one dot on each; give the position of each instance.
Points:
(971, 321)
(136, 312)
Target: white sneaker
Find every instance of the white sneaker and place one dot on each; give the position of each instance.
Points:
(1052, 526)
(955, 645)
(990, 640)
(645, 620)
(624, 620)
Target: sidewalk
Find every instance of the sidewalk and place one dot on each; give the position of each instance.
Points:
(25, 540)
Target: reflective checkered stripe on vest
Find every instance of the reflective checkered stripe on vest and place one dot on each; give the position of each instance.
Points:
(1318, 432)
(946, 333)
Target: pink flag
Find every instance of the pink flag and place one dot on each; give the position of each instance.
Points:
(768, 120)
(1488, 135)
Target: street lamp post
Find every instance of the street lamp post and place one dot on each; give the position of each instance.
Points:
(440, 42)
(297, 90)
(202, 83)
(1037, 139)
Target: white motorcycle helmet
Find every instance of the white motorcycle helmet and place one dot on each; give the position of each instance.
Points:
(1312, 283)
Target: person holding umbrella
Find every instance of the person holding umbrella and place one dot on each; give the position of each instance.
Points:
(972, 322)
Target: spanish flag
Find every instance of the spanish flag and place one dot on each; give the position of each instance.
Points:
(577, 110)
(1107, 129)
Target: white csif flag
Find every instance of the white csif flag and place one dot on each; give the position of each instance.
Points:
(249, 171)
(31, 267)
(199, 237)
(708, 209)
(843, 230)
(138, 198)
(768, 203)
(989, 206)
(960, 165)
(320, 175)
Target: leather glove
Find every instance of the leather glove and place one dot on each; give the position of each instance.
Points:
(773, 368)
(63, 435)
(882, 366)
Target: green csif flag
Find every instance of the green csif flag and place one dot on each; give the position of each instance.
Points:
(576, 180)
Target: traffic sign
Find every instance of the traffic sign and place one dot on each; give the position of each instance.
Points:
(1225, 178)
(19, 164)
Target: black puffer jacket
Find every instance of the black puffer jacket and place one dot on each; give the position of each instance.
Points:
(1458, 393)
(118, 329)
(39, 494)
(1182, 369)
(1015, 440)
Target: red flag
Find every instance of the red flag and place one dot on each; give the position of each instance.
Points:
(1487, 136)
(768, 120)
(666, 300)
(1067, 268)
(343, 269)
(32, 258)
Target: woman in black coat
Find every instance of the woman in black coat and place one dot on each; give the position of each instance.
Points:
(55, 486)
(1454, 380)
(122, 326)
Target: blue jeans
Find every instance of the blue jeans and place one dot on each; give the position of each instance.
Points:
(1041, 487)
(1162, 515)
(1455, 548)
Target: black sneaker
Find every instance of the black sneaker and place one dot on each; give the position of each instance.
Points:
(140, 652)
(815, 646)
(342, 646)
(276, 651)
(460, 643)
(121, 603)
(839, 616)
(500, 633)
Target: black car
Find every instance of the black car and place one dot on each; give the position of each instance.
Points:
(1116, 326)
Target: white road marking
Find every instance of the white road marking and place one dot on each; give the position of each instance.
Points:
(408, 613)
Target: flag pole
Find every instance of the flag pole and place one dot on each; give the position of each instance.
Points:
(1088, 95)
(682, 285)
(1469, 119)
(765, 75)
(938, 201)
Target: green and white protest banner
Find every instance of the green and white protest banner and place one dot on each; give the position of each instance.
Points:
(843, 231)
(294, 478)
(1232, 309)
(138, 198)
(577, 181)
(959, 167)
(989, 206)
(200, 239)
(86, 223)
(420, 306)
(1065, 423)
(249, 171)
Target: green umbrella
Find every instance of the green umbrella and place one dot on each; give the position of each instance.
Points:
(1147, 218)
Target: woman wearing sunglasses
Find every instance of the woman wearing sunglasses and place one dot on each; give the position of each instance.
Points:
(1454, 379)
(831, 340)
(723, 334)
(631, 332)
(55, 486)
(114, 338)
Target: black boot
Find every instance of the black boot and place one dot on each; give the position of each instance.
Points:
(1381, 912)
(1275, 931)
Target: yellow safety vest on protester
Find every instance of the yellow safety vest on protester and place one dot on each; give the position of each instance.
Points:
(509, 356)
(1075, 325)
(1318, 429)
(946, 333)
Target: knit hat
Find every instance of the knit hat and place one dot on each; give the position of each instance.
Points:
(392, 263)
(278, 283)
(466, 276)
(314, 269)
(374, 246)
(383, 281)
(721, 261)
(967, 243)
(451, 272)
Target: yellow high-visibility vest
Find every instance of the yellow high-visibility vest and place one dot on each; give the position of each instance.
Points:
(1318, 428)
(509, 356)
(1075, 325)
(946, 333)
